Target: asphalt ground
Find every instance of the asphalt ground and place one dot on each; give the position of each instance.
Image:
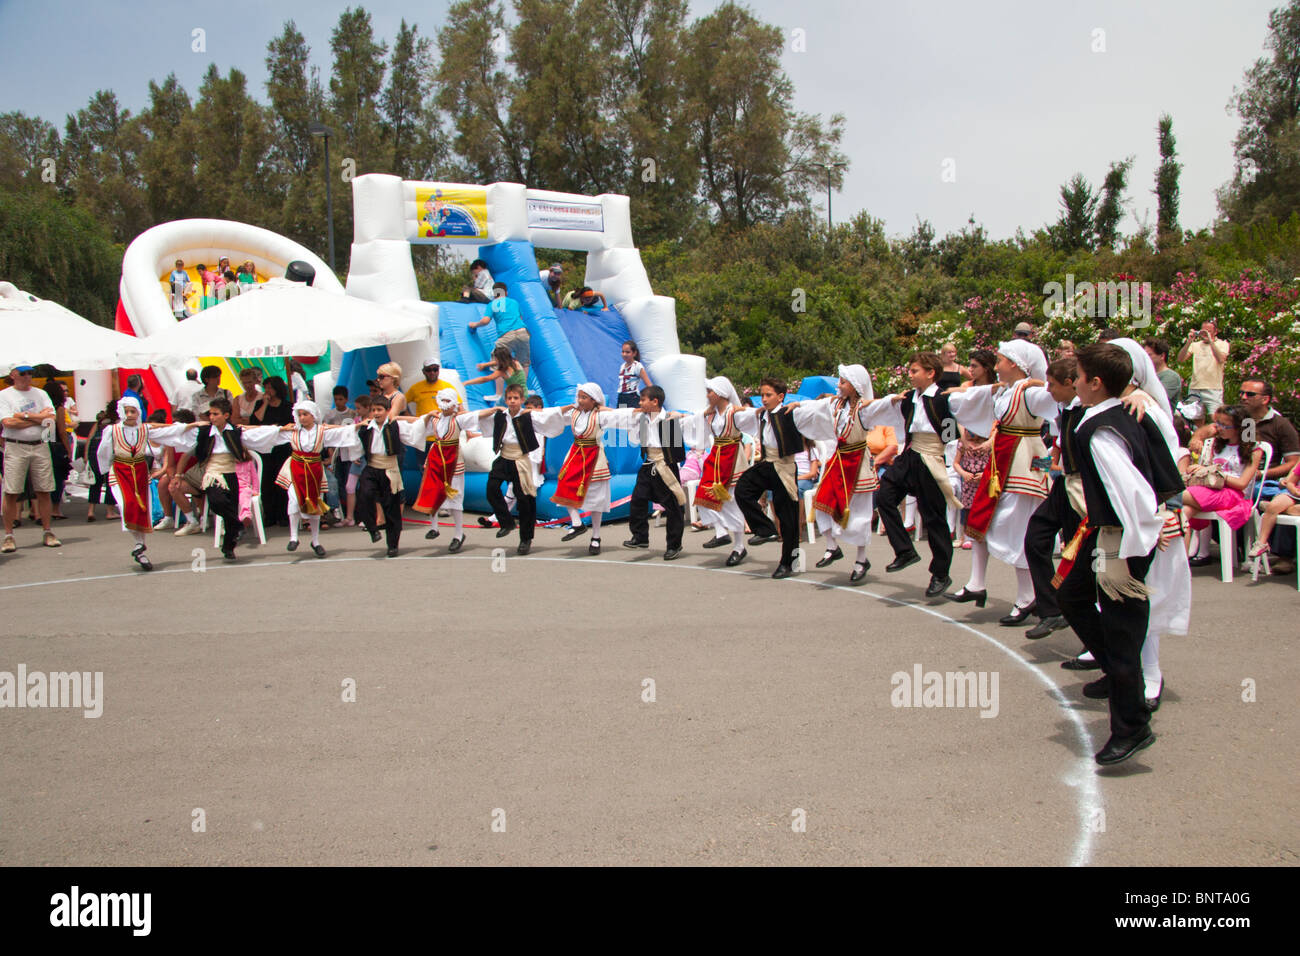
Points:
(560, 709)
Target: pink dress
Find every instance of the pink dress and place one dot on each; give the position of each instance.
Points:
(1227, 503)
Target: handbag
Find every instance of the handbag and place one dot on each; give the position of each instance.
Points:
(1205, 476)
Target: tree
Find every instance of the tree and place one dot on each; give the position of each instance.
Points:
(1267, 147)
(355, 84)
(1074, 230)
(1167, 184)
(25, 142)
(101, 169)
(232, 143)
(168, 158)
(297, 100)
(1110, 208)
(411, 132)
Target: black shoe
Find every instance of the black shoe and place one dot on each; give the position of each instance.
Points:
(1079, 664)
(829, 557)
(672, 554)
(593, 546)
(757, 539)
(937, 585)
(1046, 626)
(505, 530)
(633, 543)
(782, 571)
(456, 544)
(718, 542)
(138, 554)
(1119, 749)
(903, 561)
(575, 532)
(735, 558)
(292, 545)
(320, 552)
(965, 597)
(860, 569)
(374, 537)
(1153, 703)
(524, 547)
(392, 552)
(1200, 562)
(1098, 689)
(431, 534)
(1018, 616)
(227, 554)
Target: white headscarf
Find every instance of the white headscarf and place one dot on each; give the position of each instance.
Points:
(448, 399)
(129, 402)
(307, 406)
(592, 391)
(860, 379)
(1026, 356)
(1144, 374)
(721, 385)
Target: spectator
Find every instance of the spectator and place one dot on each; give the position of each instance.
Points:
(1189, 418)
(210, 389)
(103, 421)
(1024, 331)
(274, 408)
(298, 382)
(1158, 349)
(389, 379)
(1110, 335)
(247, 275)
(972, 458)
(1238, 462)
(423, 395)
(953, 374)
(983, 367)
(631, 375)
(552, 279)
(135, 389)
(245, 402)
(60, 442)
(1285, 502)
(511, 332)
(179, 280)
(1065, 349)
(188, 390)
(24, 411)
(1273, 427)
(1209, 354)
(480, 287)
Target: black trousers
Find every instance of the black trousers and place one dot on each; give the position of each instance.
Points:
(225, 503)
(1053, 516)
(749, 492)
(907, 475)
(650, 488)
(1114, 635)
(373, 487)
(504, 470)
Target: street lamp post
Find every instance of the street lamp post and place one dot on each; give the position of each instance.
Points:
(828, 167)
(320, 130)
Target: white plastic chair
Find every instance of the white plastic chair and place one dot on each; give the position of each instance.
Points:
(255, 505)
(1227, 541)
(1291, 521)
(810, 514)
(691, 487)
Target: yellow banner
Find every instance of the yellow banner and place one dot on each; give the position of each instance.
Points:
(454, 211)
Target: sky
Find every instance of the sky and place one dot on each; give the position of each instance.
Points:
(953, 109)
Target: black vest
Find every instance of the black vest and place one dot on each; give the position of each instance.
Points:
(782, 428)
(523, 423)
(936, 410)
(231, 436)
(1150, 456)
(392, 439)
(671, 439)
(1066, 423)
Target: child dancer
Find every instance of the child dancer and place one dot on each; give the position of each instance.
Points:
(513, 438)
(1015, 481)
(843, 499)
(663, 449)
(778, 442)
(122, 458)
(583, 481)
(443, 484)
(380, 486)
(722, 468)
(302, 475)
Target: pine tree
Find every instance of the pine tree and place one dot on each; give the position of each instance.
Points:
(1167, 231)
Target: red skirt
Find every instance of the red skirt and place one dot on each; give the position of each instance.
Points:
(575, 475)
(988, 492)
(308, 479)
(718, 469)
(439, 470)
(133, 493)
(839, 481)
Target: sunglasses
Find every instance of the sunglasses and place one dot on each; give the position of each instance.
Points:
(1226, 428)
(1245, 394)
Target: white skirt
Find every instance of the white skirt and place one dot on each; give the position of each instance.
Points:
(729, 518)
(597, 499)
(1006, 534)
(1170, 582)
(858, 532)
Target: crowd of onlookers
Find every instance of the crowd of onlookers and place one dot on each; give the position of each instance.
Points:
(216, 285)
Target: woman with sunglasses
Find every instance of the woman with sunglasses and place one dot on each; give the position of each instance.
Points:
(1240, 462)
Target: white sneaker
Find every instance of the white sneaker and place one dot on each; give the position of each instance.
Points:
(191, 527)
(164, 524)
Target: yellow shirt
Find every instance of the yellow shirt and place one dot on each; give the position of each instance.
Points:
(1207, 371)
(425, 396)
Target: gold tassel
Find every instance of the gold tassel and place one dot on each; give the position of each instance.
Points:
(844, 519)
(995, 486)
(719, 492)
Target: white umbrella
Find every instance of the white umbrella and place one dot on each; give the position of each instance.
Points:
(35, 331)
(277, 318)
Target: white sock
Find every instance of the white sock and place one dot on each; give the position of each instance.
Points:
(460, 522)
(830, 542)
(575, 518)
(595, 525)
(294, 520)
(313, 522)
(719, 531)
(979, 565)
(862, 554)
(1024, 588)
(1151, 664)
(909, 512)
(139, 537)
(1203, 543)
(1087, 656)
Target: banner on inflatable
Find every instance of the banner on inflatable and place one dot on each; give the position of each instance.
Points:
(451, 211)
(545, 214)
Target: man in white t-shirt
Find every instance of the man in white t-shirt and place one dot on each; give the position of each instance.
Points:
(188, 390)
(28, 419)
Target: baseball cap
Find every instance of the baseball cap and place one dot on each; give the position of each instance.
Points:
(556, 267)
(23, 368)
(431, 362)
(1024, 328)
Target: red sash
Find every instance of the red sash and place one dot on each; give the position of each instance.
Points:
(717, 473)
(131, 475)
(575, 474)
(439, 470)
(839, 479)
(308, 479)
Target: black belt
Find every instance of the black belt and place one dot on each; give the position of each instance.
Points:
(23, 441)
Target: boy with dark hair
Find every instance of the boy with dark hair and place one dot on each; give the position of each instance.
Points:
(513, 439)
(663, 449)
(919, 469)
(776, 442)
(380, 485)
(1125, 474)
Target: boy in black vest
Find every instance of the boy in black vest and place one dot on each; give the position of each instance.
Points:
(776, 442)
(218, 447)
(920, 470)
(1126, 472)
(380, 484)
(513, 438)
(1063, 507)
(663, 449)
